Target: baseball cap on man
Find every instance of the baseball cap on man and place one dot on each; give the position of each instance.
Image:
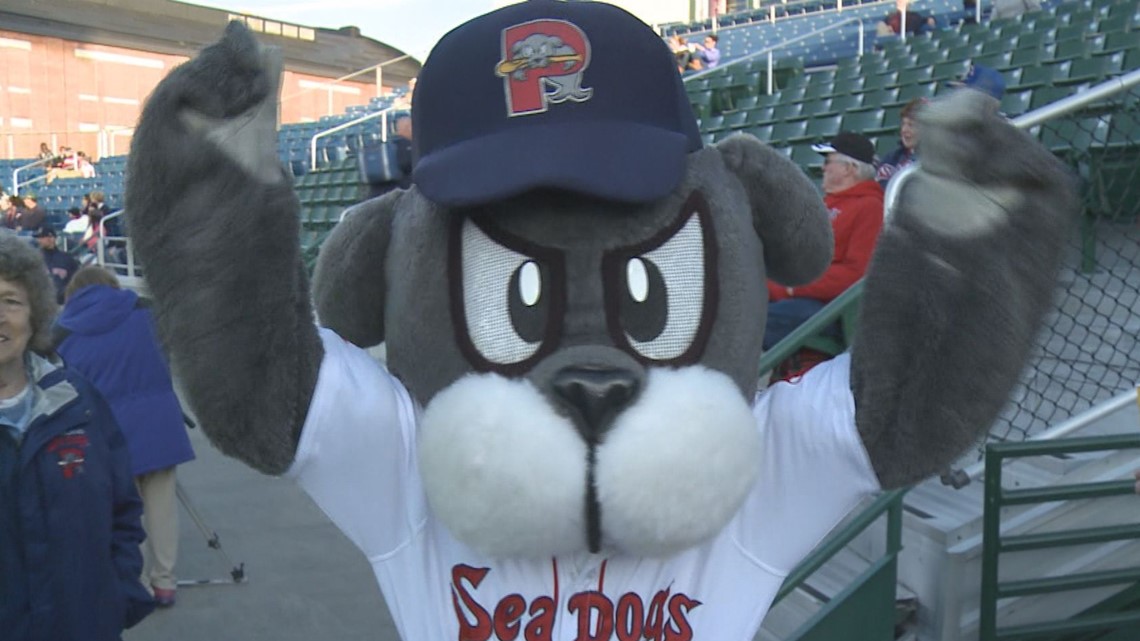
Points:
(44, 231)
(983, 79)
(580, 96)
(849, 144)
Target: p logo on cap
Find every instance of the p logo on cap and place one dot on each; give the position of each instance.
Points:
(542, 65)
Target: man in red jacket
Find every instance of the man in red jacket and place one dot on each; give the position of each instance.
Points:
(855, 202)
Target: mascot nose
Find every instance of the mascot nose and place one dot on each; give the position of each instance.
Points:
(594, 395)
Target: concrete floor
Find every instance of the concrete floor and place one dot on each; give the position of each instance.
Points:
(304, 580)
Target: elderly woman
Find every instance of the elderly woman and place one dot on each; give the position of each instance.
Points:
(70, 525)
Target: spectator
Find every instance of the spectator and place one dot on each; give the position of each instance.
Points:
(970, 9)
(84, 165)
(855, 201)
(1013, 8)
(13, 212)
(11, 206)
(403, 142)
(916, 23)
(60, 264)
(682, 51)
(77, 222)
(69, 512)
(96, 210)
(907, 151)
(33, 215)
(708, 53)
(46, 156)
(403, 102)
(105, 334)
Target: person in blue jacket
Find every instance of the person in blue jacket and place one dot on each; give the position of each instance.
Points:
(107, 335)
(70, 524)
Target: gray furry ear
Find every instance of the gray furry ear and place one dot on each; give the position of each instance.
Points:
(787, 211)
(349, 285)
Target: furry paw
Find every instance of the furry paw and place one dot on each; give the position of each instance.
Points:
(227, 97)
(976, 168)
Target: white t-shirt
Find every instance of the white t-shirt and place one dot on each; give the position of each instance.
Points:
(357, 459)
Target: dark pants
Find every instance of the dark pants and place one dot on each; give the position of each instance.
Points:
(786, 315)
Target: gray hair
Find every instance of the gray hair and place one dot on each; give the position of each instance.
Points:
(21, 263)
(863, 170)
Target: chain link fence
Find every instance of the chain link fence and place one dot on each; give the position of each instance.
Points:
(1089, 349)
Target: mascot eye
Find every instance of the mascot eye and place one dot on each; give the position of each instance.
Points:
(660, 295)
(644, 308)
(507, 297)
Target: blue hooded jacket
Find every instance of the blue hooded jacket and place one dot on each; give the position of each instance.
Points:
(111, 342)
(69, 519)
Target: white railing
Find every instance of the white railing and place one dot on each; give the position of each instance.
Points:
(382, 115)
(768, 51)
(127, 268)
(16, 184)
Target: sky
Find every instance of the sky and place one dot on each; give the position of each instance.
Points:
(412, 26)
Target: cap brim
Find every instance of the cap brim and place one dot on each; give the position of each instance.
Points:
(614, 161)
(823, 149)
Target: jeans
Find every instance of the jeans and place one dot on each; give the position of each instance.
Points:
(786, 315)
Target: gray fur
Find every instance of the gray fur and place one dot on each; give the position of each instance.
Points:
(786, 210)
(350, 282)
(221, 254)
(954, 298)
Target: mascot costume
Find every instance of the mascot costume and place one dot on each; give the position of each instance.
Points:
(568, 441)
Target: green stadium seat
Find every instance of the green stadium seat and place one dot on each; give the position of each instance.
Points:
(933, 57)
(915, 75)
(1075, 48)
(746, 103)
(844, 86)
(760, 115)
(763, 132)
(804, 156)
(846, 102)
(1122, 41)
(787, 110)
(1012, 77)
(1072, 138)
(1028, 57)
(910, 92)
(1115, 189)
(712, 123)
(881, 97)
(1016, 103)
(1047, 95)
(951, 70)
(702, 103)
(885, 144)
(999, 60)
(863, 120)
(962, 52)
(1073, 31)
(815, 107)
(900, 62)
(708, 138)
(788, 130)
(1033, 39)
(999, 44)
(818, 89)
(880, 80)
(1036, 76)
(734, 120)
(1114, 23)
(1093, 69)
(792, 94)
(822, 128)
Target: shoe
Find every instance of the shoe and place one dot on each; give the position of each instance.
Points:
(163, 598)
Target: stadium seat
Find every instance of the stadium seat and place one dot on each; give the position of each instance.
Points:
(1016, 103)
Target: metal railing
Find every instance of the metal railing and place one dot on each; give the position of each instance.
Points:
(16, 184)
(117, 253)
(863, 610)
(382, 115)
(995, 542)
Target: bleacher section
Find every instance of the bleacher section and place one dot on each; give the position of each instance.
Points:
(1044, 56)
(753, 32)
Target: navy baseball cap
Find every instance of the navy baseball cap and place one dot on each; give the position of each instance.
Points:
(580, 96)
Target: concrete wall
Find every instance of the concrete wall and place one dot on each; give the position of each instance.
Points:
(64, 92)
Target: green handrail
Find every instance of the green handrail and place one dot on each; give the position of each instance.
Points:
(834, 310)
(993, 543)
(864, 609)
